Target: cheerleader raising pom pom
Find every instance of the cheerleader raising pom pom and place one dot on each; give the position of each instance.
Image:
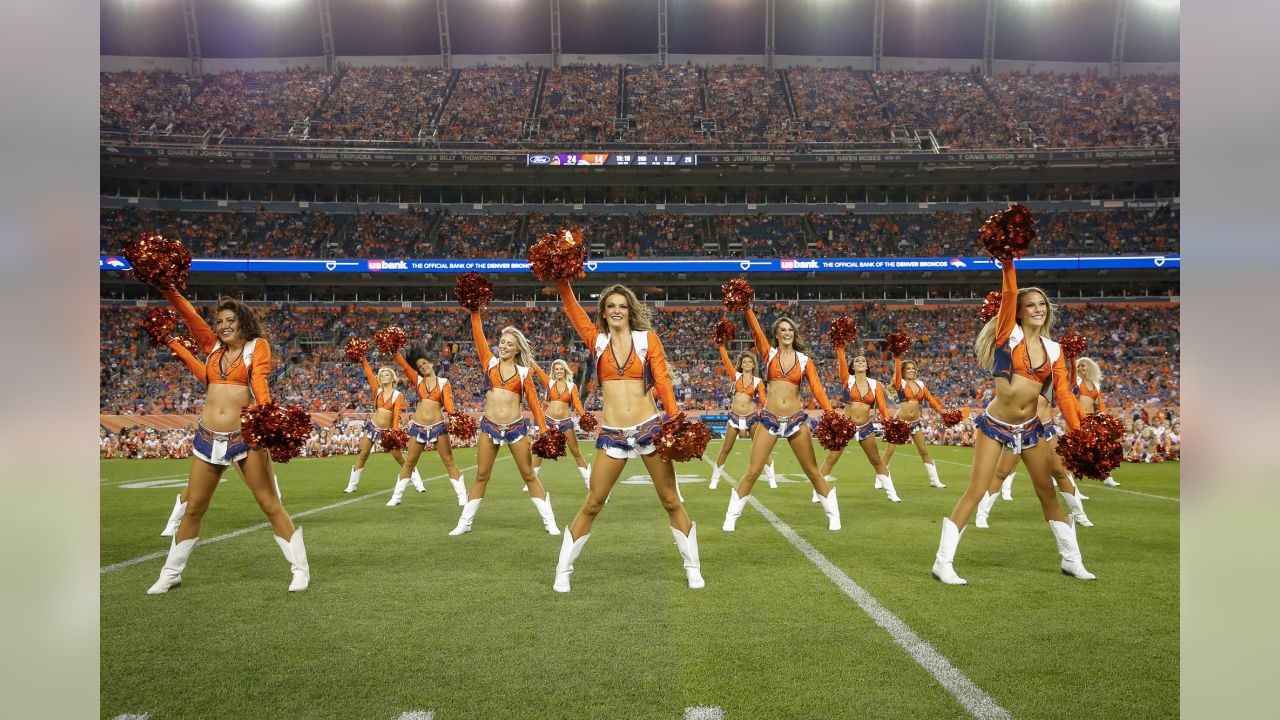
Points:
(951, 418)
(158, 261)
(462, 426)
(558, 256)
(1007, 234)
(1072, 346)
(1095, 449)
(722, 333)
(990, 306)
(159, 323)
(473, 290)
(280, 429)
(897, 343)
(835, 431)
(393, 440)
(897, 432)
(189, 343)
(389, 340)
(843, 331)
(682, 439)
(588, 422)
(738, 294)
(551, 445)
(357, 349)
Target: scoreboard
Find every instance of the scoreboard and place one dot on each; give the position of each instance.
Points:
(626, 159)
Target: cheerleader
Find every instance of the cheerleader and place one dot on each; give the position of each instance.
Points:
(861, 393)
(235, 373)
(388, 403)
(561, 393)
(508, 379)
(628, 358)
(783, 416)
(428, 427)
(911, 392)
(748, 398)
(1089, 393)
(1015, 346)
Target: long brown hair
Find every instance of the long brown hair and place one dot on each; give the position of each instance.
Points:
(641, 316)
(250, 326)
(796, 342)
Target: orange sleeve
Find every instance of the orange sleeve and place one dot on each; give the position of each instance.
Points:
(842, 362)
(546, 381)
(1099, 406)
(815, 385)
(447, 396)
(587, 330)
(880, 404)
(897, 371)
(577, 401)
(1067, 404)
(762, 341)
(192, 362)
(482, 343)
(661, 380)
(760, 393)
(1008, 316)
(408, 369)
(260, 370)
(933, 401)
(531, 396)
(397, 410)
(728, 365)
(373, 379)
(196, 324)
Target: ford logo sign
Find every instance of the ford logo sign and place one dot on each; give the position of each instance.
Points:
(539, 159)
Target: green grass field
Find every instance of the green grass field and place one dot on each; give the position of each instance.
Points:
(401, 618)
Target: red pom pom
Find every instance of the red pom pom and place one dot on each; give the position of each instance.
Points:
(159, 323)
(738, 294)
(558, 256)
(1072, 345)
(990, 305)
(897, 343)
(1095, 449)
(158, 261)
(681, 439)
(357, 349)
(1008, 233)
(550, 445)
(190, 344)
(473, 290)
(390, 339)
(462, 426)
(280, 429)
(897, 432)
(722, 333)
(843, 331)
(951, 418)
(394, 440)
(588, 422)
(835, 430)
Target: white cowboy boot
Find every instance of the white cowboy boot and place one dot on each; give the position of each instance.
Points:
(931, 469)
(734, 512)
(398, 494)
(460, 488)
(887, 483)
(171, 573)
(880, 481)
(1077, 509)
(468, 514)
(688, 547)
(1006, 487)
(1110, 482)
(716, 470)
(984, 509)
(832, 508)
(585, 472)
(175, 517)
(543, 505)
(1079, 494)
(770, 476)
(416, 479)
(296, 553)
(942, 564)
(815, 497)
(570, 549)
(1065, 534)
(354, 480)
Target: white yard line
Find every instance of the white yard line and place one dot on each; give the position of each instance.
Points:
(105, 481)
(417, 715)
(1090, 487)
(260, 526)
(973, 698)
(701, 712)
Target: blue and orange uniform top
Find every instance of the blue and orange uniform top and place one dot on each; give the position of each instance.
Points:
(569, 395)
(395, 403)
(248, 368)
(874, 394)
(1013, 354)
(1091, 391)
(801, 370)
(442, 393)
(912, 390)
(520, 382)
(646, 362)
(753, 388)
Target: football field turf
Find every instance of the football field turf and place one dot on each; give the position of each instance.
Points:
(795, 621)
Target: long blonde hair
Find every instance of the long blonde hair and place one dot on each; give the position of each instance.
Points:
(1092, 373)
(395, 376)
(796, 342)
(641, 316)
(985, 346)
(523, 354)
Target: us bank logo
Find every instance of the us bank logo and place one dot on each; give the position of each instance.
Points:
(788, 264)
(376, 265)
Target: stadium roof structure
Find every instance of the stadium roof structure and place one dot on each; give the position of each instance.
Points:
(1027, 33)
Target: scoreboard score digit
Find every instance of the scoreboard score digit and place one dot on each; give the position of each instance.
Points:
(612, 159)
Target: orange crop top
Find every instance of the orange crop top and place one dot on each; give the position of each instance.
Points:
(442, 393)
(1093, 392)
(249, 369)
(1009, 361)
(646, 362)
(395, 403)
(520, 382)
(918, 393)
(753, 388)
(875, 391)
(802, 370)
(568, 396)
